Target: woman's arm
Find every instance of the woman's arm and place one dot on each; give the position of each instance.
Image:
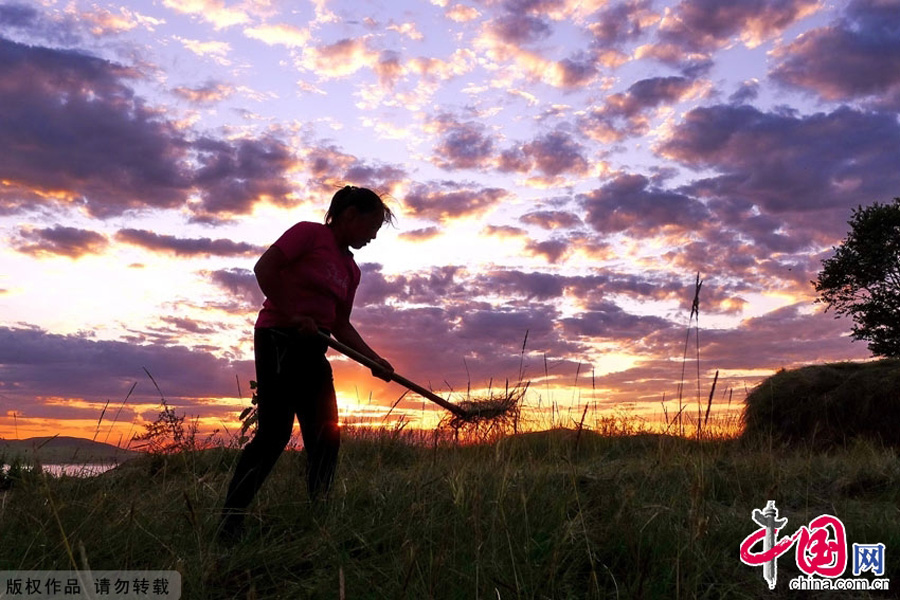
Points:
(268, 275)
(347, 334)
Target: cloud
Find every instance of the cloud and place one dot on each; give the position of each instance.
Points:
(781, 161)
(551, 250)
(531, 286)
(27, 24)
(460, 13)
(37, 364)
(552, 219)
(448, 200)
(103, 22)
(409, 30)
(630, 203)
(520, 28)
(340, 59)
(623, 22)
(554, 153)
(419, 235)
(607, 322)
(189, 325)
(233, 176)
(462, 145)
(505, 232)
(211, 11)
(855, 57)
(690, 32)
(707, 25)
(216, 51)
(329, 169)
(60, 241)
(19, 16)
(186, 246)
(242, 285)
(783, 338)
(747, 92)
(513, 62)
(71, 132)
(209, 93)
(628, 114)
(279, 34)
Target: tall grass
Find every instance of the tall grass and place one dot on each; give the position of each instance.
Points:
(558, 514)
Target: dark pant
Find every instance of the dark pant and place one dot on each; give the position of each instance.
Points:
(293, 378)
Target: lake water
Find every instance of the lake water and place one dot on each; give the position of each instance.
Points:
(79, 470)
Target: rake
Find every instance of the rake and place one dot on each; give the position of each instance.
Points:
(473, 411)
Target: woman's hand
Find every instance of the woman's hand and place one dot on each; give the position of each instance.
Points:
(385, 371)
(305, 325)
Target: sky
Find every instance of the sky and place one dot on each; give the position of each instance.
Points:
(561, 171)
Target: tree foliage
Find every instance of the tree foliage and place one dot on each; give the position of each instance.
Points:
(862, 279)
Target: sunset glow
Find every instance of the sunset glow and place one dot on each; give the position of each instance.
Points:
(560, 170)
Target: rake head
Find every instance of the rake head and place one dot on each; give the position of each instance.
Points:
(495, 409)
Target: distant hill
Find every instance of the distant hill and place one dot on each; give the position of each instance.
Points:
(62, 449)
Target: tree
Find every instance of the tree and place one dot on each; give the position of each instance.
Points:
(862, 279)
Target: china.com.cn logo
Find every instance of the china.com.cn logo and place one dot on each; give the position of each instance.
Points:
(820, 553)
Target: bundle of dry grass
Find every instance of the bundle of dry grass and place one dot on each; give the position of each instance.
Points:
(496, 412)
(827, 405)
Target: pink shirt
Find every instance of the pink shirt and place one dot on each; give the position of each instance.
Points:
(323, 278)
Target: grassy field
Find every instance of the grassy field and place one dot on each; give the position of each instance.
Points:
(555, 514)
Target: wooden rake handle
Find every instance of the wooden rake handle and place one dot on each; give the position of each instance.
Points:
(411, 385)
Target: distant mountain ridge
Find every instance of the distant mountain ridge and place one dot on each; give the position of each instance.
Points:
(62, 449)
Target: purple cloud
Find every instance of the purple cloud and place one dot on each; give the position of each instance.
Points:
(556, 153)
(186, 246)
(625, 114)
(551, 219)
(551, 250)
(72, 132)
(520, 28)
(620, 23)
(578, 70)
(61, 241)
(37, 364)
(241, 283)
(553, 153)
(71, 129)
(786, 162)
(606, 321)
(629, 203)
(695, 29)
(464, 146)
(234, 176)
(18, 16)
(445, 200)
(857, 56)
(706, 25)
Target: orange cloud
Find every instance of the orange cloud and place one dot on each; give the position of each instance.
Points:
(340, 59)
(407, 29)
(103, 22)
(207, 94)
(212, 11)
(462, 14)
(216, 51)
(280, 34)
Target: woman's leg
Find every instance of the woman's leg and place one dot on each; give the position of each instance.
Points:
(318, 415)
(275, 394)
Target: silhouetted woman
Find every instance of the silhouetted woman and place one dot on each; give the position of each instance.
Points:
(309, 278)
